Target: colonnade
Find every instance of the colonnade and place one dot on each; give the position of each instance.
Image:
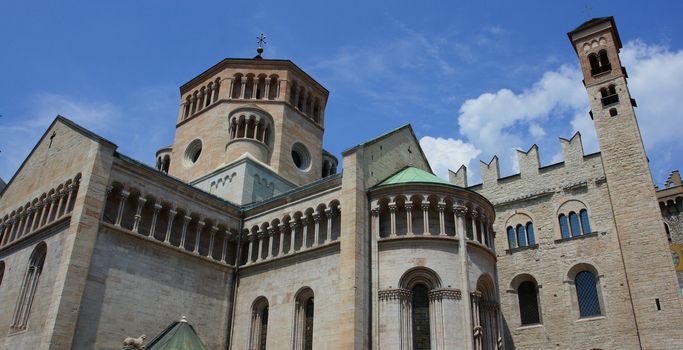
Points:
(429, 215)
(255, 87)
(302, 231)
(49, 207)
(251, 127)
(304, 100)
(201, 98)
(131, 210)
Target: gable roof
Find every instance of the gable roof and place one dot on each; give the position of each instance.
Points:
(180, 335)
(412, 174)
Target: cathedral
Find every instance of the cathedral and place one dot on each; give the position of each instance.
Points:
(248, 234)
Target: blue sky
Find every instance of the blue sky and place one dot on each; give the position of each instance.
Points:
(473, 78)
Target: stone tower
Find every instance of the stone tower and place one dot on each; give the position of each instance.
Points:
(249, 129)
(648, 266)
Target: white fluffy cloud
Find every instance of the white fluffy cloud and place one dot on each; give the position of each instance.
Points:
(447, 153)
(499, 122)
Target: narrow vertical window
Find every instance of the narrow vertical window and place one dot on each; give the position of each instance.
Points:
(259, 325)
(421, 332)
(303, 320)
(574, 224)
(528, 303)
(308, 329)
(595, 65)
(564, 226)
(530, 233)
(587, 294)
(585, 225)
(28, 288)
(521, 236)
(511, 237)
(605, 66)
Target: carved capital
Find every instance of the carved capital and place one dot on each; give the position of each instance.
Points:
(425, 206)
(392, 207)
(395, 294)
(408, 205)
(445, 293)
(460, 210)
(375, 211)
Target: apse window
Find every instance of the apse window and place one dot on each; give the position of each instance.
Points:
(301, 157)
(192, 153)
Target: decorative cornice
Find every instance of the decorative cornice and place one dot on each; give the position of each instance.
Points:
(445, 293)
(395, 294)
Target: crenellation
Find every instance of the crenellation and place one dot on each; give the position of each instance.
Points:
(490, 172)
(458, 178)
(529, 162)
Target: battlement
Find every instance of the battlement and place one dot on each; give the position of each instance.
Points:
(577, 168)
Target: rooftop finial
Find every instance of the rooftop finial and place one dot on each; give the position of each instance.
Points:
(261, 40)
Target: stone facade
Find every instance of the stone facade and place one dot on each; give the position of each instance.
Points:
(246, 228)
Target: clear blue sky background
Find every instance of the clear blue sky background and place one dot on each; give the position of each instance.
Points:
(473, 78)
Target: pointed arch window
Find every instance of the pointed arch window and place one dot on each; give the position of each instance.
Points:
(587, 294)
(28, 288)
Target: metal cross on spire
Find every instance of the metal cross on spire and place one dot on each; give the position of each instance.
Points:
(261, 40)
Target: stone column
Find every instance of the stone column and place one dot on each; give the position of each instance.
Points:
(155, 216)
(304, 229)
(328, 214)
(425, 217)
(281, 249)
(186, 221)
(229, 88)
(441, 206)
(226, 239)
(141, 203)
(119, 214)
(244, 87)
(392, 213)
(212, 240)
(316, 230)
(482, 228)
(70, 194)
(45, 205)
(292, 235)
(460, 213)
(171, 215)
(473, 214)
(271, 237)
(477, 330)
(261, 236)
(266, 92)
(250, 246)
(375, 222)
(409, 218)
(198, 235)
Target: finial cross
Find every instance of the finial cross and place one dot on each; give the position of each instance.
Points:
(261, 40)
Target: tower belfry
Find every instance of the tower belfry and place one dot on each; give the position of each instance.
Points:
(249, 129)
(631, 191)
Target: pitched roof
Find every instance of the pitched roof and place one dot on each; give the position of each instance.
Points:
(412, 174)
(180, 335)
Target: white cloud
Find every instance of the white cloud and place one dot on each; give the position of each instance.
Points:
(499, 122)
(447, 153)
(19, 134)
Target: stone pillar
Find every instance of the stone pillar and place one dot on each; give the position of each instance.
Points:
(45, 205)
(226, 239)
(281, 249)
(425, 217)
(212, 240)
(477, 330)
(260, 237)
(474, 214)
(482, 229)
(119, 214)
(186, 221)
(155, 216)
(198, 235)
(328, 215)
(292, 235)
(71, 192)
(460, 213)
(441, 206)
(304, 229)
(375, 221)
(171, 215)
(392, 213)
(244, 87)
(316, 231)
(141, 203)
(266, 92)
(409, 218)
(226, 91)
(250, 247)
(271, 238)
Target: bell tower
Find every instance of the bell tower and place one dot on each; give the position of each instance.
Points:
(249, 129)
(645, 253)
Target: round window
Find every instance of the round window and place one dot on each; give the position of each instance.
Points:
(300, 156)
(192, 153)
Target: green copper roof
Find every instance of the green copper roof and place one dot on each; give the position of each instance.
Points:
(178, 336)
(413, 175)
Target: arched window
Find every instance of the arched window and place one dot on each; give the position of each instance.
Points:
(28, 288)
(574, 224)
(587, 294)
(521, 236)
(511, 237)
(420, 318)
(605, 66)
(528, 303)
(609, 95)
(303, 320)
(585, 225)
(259, 325)
(530, 233)
(595, 65)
